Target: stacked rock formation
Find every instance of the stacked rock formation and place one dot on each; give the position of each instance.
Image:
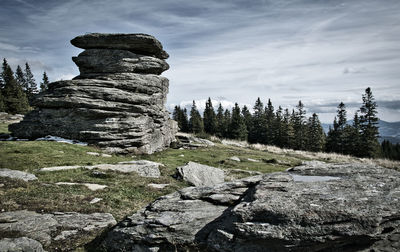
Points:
(117, 102)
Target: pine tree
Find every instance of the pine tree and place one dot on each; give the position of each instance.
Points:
(30, 82)
(247, 117)
(270, 123)
(257, 133)
(180, 116)
(299, 126)
(315, 134)
(369, 125)
(279, 127)
(355, 137)
(209, 118)
(15, 100)
(44, 85)
(220, 130)
(237, 126)
(196, 122)
(2, 102)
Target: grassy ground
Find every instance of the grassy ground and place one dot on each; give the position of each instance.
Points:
(4, 128)
(126, 193)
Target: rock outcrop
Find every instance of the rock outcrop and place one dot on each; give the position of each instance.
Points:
(349, 207)
(200, 175)
(26, 230)
(117, 102)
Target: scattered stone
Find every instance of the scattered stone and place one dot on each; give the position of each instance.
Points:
(181, 155)
(15, 174)
(234, 158)
(116, 103)
(20, 244)
(93, 153)
(95, 200)
(144, 168)
(189, 141)
(106, 155)
(200, 175)
(92, 187)
(1, 185)
(358, 212)
(253, 160)
(157, 186)
(55, 232)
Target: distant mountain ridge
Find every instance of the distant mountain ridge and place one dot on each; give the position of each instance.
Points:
(387, 130)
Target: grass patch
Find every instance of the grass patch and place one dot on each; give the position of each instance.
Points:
(4, 128)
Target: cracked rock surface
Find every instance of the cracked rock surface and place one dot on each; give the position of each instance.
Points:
(346, 207)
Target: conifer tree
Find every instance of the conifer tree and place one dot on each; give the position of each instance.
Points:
(30, 82)
(20, 78)
(15, 100)
(338, 137)
(369, 125)
(246, 117)
(180, 116)
(279, 127)
(355, 144)
(270, 123)
(209, 118)
(196, 122)
(227, 122)
(299, 126)
(315, 135)
(44, 85)
(220, 130)
(287, 131)
(257, 132)
(2, 102)
(237, 126)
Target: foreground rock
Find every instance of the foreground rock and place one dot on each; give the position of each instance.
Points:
(143, 168)
(273, 212)
(20, 244)
(200, 175)
(15, 174)
(55, 232)
(117, 102)
(189, 141)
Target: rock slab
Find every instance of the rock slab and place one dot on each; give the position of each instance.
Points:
(15, 174)
(117, 102)
(273, 212)
(53, 232)
(200, 175)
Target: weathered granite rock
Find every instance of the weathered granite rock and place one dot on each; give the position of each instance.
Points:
(22, 244)
(117, 102)
(273, 212)
(15, 174)
(189, 141)
(200, 175)
(10, 118)
(55, 232)
(118, 61)
(138, 43)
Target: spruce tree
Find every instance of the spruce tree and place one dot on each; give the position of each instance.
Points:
(227, 122)
(2, 102)
(237, 127)
(257, 133)
(287, 131)
(247, 117)
(279, 127)
(299, 126)
(196, 122)
(355, 137)
(30, 82)
(270, 123)
(315, 134)
(15, 100)
(220, 130)
(209, 118)
(369, 125)
(20, 78)
(44, 85)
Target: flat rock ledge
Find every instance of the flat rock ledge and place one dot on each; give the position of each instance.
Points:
(143, 168)
(15, 174)
(31, 231)
(357, 211)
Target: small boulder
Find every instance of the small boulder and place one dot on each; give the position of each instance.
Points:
(200, 175)
(234, 158)
(15, 174)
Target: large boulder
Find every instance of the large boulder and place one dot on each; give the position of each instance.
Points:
(200, 175)
(117, 102)
(345, 207)
(15, 174)
(54, 232)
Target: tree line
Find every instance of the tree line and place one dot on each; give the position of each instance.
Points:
(289, 129)
(18, 89)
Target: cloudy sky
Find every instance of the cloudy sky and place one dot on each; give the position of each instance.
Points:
(319, 51)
